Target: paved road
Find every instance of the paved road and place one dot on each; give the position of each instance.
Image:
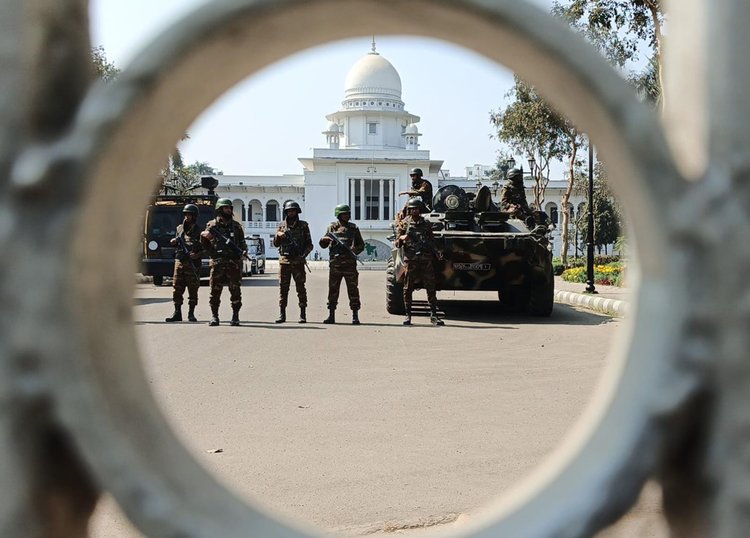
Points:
(371, 428)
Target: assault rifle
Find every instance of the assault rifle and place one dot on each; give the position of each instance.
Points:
(421, 244)
(337, 242)
(295, 249)
(228, 242)
(186, 254)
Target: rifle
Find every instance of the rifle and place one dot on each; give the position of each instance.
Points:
(337, 242)
(421, 244)
(294, 246)
(228, 242)
(186, 253)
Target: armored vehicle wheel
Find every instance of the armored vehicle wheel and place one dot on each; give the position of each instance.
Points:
(394, 292)
(542, 297)
(158, 280)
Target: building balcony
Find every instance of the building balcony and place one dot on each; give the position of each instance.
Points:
(261, 225)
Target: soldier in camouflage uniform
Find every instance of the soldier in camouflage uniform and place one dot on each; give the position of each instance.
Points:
(513, 197)
(414, 234)
(294, 243)
(226, 260)
(341, 262)
(420, 188)
(187, 266)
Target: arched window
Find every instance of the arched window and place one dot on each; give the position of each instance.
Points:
(239, 210)
(272, 211)
(551, 210)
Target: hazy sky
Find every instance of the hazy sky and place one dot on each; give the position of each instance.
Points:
(450, 88)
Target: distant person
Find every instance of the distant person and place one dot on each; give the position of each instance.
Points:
(343, 261)
(420, 188)
(414, 234)
(187, 263)
(513, 196)
(294, 243)
(224, 240)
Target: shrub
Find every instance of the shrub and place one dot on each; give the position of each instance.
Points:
(609, 274)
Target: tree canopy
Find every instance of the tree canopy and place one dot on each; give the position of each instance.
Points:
(105, 69)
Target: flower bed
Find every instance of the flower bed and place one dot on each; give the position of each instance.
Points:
(610, 274)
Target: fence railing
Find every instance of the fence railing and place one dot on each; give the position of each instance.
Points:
(77, 414)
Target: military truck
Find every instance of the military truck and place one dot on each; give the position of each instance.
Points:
(484, 248)
(163, 214)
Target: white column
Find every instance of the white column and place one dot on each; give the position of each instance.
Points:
(393, 199)
(351, 198)
(381, 201)
(262, 212)
(362, 199)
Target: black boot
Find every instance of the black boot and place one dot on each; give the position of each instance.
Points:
(434, 319)
(191, 313)
(407, 319)
(355, 317)
(214, 316)
(177, 316)
(282, 316)
(331, 316)
(303, 314)
(235, 316)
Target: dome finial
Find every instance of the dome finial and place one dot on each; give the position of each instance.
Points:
(373, 45)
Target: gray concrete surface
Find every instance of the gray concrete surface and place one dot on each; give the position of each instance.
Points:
(372, 429)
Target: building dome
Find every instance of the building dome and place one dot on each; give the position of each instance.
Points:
(333, 127)
(411, 129)
(372, 75)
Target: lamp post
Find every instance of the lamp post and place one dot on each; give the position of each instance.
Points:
(590, 288)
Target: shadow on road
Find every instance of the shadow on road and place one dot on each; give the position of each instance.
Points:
(494, 313)
(257, 282)
(138, 301)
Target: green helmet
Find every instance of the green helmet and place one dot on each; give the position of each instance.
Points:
(190, 208)
(223, 202)
(291, 204)
(341, 208)
(514, 174)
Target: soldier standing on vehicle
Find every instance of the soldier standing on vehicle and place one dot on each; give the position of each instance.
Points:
(187, 264)
(224, 241)
(420, 188)
(513, 196)
(414, 234)
(342, 261)
(294, 243)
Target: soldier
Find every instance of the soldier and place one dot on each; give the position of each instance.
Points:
(187, 264)
(414, 234)
(342, 261)
(421, 188)
(513, 197)
(294, 243)
(224, 240)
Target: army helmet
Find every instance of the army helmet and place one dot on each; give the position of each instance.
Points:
(341, 208)
(416, 172)
(190, 208)
(416, 202)
(514, 174)
(291, 204)
(224, 202)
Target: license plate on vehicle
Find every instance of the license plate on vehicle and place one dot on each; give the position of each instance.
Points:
(472, 266)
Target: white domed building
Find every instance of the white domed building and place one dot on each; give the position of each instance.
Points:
(371, 143)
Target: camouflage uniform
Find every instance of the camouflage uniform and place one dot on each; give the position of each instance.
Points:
(342, 264)
(513, 200)
(420, 189)
(419, 259)
(187, 270)
(292, 260)
(226, 265)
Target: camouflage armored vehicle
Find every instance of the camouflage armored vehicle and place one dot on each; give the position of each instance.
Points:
(483, 248)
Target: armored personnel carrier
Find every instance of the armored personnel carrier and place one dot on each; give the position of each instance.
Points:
(484, 248)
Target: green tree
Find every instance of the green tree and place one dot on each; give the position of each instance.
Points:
(607, 216)
(530, 126)
(177, 178)
(104, 69)
(620, 29)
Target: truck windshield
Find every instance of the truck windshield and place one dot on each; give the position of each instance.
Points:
(163, 221)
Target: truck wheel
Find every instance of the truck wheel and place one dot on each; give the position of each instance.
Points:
(158, 280)
(542, 296)
(394, 291)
